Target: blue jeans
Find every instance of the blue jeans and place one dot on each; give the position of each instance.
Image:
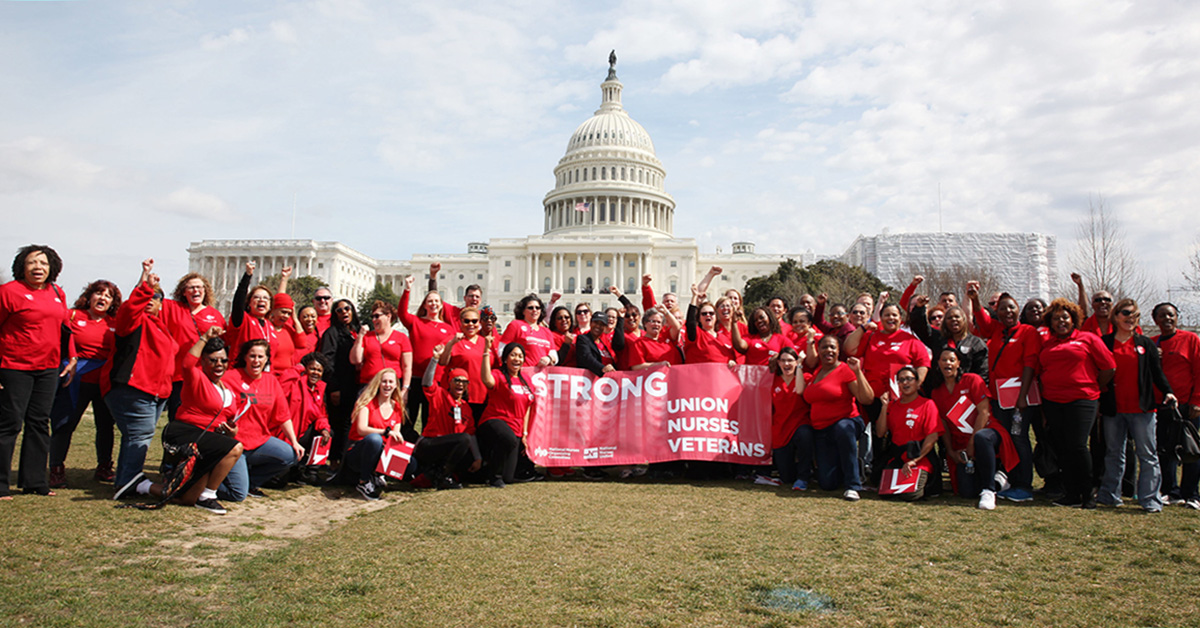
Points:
(363, 456)
(987, 446)
(837, 454)
(136, 415)
(255, 467)
(1116, 430)
(795, 459)
(1017, 424)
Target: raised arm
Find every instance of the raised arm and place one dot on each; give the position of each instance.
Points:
(357, 351)
(910, 291)
(434, 269)
(486, 375)
(1081, 294)
(407, 319)
(739, 343)
(238, 309)
(918, 320)
(284, 274)
(647, 294)
(708, 277)
(672, 323)
(860, 386)
(439, 352)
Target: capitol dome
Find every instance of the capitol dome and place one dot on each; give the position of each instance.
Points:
(609, 179)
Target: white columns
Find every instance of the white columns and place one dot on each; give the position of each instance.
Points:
(578, 272)
(596, 271)
(619, 276)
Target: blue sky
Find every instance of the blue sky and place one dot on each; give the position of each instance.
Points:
(130, 129)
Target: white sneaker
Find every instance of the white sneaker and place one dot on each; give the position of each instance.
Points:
(1002, 481)
(1193, 503)
(850, 495)
(766, 480)
(987, 500)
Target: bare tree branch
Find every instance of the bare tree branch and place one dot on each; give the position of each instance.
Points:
(1103, 256)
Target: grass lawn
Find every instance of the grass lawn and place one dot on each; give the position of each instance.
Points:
(574, 553)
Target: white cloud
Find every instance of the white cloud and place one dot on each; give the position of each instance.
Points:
(192, 203)
(284, 32)
(219, 42)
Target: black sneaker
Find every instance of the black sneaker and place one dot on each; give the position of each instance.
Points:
(1088, 504)
(593, 473)
(1068, 502)
(368, 491)
(211, 505)
(496, 483)
(256, 492)
(448, 482)
(130, 487)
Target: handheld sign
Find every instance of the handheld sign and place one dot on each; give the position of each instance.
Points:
(319, 453)
(394, 458)
(1009, 389)
(894, 482)
(962, 415)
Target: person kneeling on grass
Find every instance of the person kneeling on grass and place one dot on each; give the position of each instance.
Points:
(447, 445)
(505, 421)
(837, 426)
(206, 417)
(914, 427)
(306, 404)
(265, 456)
(378, 415)
(974, 442)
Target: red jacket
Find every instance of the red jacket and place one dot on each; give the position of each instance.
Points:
(144, 352)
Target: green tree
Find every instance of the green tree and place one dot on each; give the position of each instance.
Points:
(841, 282)
(380, 292)
(301, 289)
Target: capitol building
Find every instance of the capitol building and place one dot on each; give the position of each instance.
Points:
(607, 221)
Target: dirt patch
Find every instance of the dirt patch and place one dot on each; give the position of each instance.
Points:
(257, 525)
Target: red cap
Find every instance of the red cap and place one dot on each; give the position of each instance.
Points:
(457, 373)
(282, 300)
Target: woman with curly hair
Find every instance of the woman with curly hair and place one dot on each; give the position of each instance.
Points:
(342, 379)
(1074, 366)
(32, 313)
(529, 332)
(191, 314)
(427, 329)
(92, 324)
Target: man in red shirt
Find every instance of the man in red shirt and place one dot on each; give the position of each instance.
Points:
(323, 304)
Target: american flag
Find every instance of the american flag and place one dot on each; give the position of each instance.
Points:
(582, 207)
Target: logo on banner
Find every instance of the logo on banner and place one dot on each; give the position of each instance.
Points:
(894, 482)
(541, 452)
(591, 453)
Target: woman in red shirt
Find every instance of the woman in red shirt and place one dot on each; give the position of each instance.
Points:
(1073, 367)
(266, 456)
(909, 427)
(764, 339)
(32, 313)
(191, 313)
(971, 434)
(426, 330)
(92, 326)
(447, 444)
(290, 341)
(378, 415)
(380, 346)
(248, 315)
(1012, 353)
(564, 337)
(804, 336)
(1127, 409)
(465, 351)
(306, 405)
(703, 343)
(308, 322)
(831, 395)
(1180, 351)
(659, 345)
(505, 422)
(791, 427)
(528, 331)
(207, 417)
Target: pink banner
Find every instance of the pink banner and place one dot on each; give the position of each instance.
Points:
(688, 412)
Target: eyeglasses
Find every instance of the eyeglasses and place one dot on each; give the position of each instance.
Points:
(470, 321)
(322, 298)
(533, 307)
(1102, 300)
(217, 360)
(905, 380)
(631, 315)
(375, 314)
(563, 317)
(344, 308)
(1128, 313)
(582, 312)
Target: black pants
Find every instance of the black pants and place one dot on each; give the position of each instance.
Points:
(25, 402)
(441, 455)
(339, 425)
(60, 435)
(873, 467)
(1070, 424)
(987, 448)
(503, 446)
(417, 406)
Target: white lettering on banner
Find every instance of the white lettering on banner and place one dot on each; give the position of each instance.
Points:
(716, 446)
(603, 388)
(693, 404)
(702, 424)
(900, 488)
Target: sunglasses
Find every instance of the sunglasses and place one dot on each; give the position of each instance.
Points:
(631, 316)
(708, 313)
(533, 307)
(470, 321)
(582, 312)
(344, 309)
(322, 298)
(1128, 313)
(905, 380)
(217, 360)
(375, 315)
(1102, 300)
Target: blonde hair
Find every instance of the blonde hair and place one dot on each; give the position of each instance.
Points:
(371, 391)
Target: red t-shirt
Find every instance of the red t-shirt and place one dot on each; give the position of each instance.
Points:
(1181, 365)
(389, 354)
(538, 342)
(1125, 380)
(423, 334)
(831, 399)
(1092, 325)
(31, 326)
(709, 348)
(563, 360)
(94, 340)
(659, 349)
(761, 351)
(914, 420)
(788, 411)
(268, 407)
(323, 323)
(251, 329)
(201, 403)
(972, 387)
(446, 416)
(883, 354)
(508, 402)
(374, 419)
(468, 356)
(1069, 367)
(207, 317)
(306, 404)
(289, 346)
(1010, 350)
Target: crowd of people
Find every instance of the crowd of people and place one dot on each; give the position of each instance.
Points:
(877, 389)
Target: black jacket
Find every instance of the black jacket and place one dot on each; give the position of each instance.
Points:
(972, 351)
(1150, 374)
(587, 354)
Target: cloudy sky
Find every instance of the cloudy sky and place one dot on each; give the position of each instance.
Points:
(130, 129)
